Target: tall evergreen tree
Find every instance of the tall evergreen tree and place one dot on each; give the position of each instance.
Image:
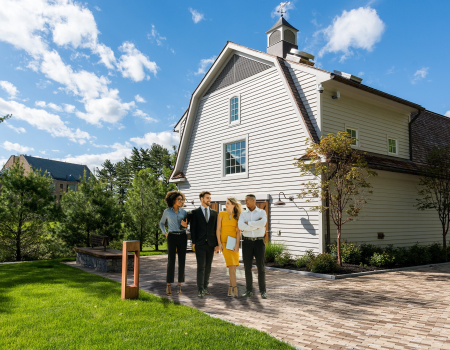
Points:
(136, 161)
(159, 157)
(26, 205)
(123, 179)
(90, 210)
(107, 175)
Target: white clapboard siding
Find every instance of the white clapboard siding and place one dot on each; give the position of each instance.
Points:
(275, 138)
(391, 210)
(374, 124)
(306, 85)
(182, 126)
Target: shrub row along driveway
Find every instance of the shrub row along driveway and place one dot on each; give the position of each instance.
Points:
(396, 310)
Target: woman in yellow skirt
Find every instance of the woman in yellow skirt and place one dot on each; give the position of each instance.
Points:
(227, 226)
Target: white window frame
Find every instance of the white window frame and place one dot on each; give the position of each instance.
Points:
(236, 122)
(396, 145)
(223, 144)
(357, 135)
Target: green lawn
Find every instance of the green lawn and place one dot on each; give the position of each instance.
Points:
(48, 305)
(150, 250)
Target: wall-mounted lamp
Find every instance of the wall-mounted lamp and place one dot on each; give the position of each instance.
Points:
(190, 202)
(337, 96)
(279, 202)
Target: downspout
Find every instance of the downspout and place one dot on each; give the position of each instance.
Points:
(409, 131)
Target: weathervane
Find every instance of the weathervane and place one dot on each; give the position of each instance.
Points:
(282, 9)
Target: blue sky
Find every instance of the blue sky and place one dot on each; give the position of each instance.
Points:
(86, 81)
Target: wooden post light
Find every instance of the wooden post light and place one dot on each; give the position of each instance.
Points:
(131, 291)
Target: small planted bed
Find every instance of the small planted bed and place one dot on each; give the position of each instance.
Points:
(355, 258)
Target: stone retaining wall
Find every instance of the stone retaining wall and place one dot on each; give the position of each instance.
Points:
(102, 264)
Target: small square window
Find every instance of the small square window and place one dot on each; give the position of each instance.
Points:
(354, 136)
(392, 146)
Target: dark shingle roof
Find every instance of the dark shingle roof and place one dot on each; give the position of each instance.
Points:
(428, 130)
(281, 22)
(58, 170)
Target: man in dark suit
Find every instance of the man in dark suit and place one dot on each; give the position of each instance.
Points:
(203, 221)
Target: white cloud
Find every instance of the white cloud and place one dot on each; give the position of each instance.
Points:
(204, 64)
(139, 99)
(16, 147)
(9, 88)
(43, 120)
(18, 130)
(145, 116)
(420, 74)
(390, 70)
(3, 161)
(165, 138)
(447, 114)
(51, 105)
(97, 8)
(154, 35)
(287, 7)
(134, 63)
(69, 108)
(359, 28)
(196, 16)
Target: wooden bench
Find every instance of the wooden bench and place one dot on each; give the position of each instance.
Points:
(97, 240)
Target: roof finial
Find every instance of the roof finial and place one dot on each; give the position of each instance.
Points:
(282, 9)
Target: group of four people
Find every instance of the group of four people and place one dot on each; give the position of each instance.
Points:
(212, 232)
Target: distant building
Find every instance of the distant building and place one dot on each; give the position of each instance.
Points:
(66, 176)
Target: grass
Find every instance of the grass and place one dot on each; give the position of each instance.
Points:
(48, 305)
(150, 250)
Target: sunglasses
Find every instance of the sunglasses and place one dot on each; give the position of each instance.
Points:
(180, 200)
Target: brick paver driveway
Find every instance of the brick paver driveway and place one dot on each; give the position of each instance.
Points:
(396, 310)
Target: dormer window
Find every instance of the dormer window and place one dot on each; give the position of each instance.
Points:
(235, 110)
(353, 135)
(392, 146)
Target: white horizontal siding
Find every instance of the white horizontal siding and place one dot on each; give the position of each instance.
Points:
(374, 124)
(275, 137)
(306, 85)
(391, 210)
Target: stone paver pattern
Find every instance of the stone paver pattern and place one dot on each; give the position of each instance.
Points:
(396, 310)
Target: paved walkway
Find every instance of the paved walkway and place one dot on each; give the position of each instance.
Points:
(396, 310)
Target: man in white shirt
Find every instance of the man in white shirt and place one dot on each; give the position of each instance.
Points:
(253, 224)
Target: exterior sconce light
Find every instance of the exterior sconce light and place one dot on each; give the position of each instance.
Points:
(190, 202)
(279, 202)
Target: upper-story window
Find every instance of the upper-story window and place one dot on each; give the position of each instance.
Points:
(234, 109)
(392, 146)
(71, 188)
(61, 187)
(235, 158)
(354, 136)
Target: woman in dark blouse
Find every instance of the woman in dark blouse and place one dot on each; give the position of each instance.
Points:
(176, 220)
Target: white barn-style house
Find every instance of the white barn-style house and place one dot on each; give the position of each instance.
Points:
(250, 116)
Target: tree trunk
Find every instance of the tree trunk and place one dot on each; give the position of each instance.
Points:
(88, 238)
(156, 243)
(18, 245)
(339, 245)
(444, 237)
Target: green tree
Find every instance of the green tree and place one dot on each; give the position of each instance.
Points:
(90, 210)
(107, 175)
(342, 179)
(6, 117)
(26, 205)
(158, 158)
(434, 188)
(123, 179)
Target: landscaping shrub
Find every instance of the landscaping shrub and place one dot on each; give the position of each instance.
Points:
(437, 253)
(382, 259)
(323, 263)
(401, 255)
(305, 260)
(367, 251)
(273, 250)
(283, 259)
(419, 255)
(350, 252)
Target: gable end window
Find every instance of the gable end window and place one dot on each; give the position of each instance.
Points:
(354, 136)
(392, 146)
(234, 109)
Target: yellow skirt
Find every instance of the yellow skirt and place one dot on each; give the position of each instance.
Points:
(231, 258)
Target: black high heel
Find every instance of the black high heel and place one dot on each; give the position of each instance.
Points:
(179, 290)
(168, 290)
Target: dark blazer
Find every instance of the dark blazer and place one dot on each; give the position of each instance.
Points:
(201, 231)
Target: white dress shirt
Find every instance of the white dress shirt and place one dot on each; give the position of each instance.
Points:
(254, 227)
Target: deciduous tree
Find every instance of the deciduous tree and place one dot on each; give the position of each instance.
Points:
(341, 179)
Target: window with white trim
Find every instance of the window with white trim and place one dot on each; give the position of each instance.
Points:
(354, 136)
(235, 157)
(392, 146)
(234, 109)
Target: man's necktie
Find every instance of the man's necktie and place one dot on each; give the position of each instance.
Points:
(206, 214)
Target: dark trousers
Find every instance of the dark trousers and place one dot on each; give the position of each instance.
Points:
(176, 244)
(204, 254)
(255, 249)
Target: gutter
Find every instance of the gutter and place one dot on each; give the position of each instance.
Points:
(409, 132)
